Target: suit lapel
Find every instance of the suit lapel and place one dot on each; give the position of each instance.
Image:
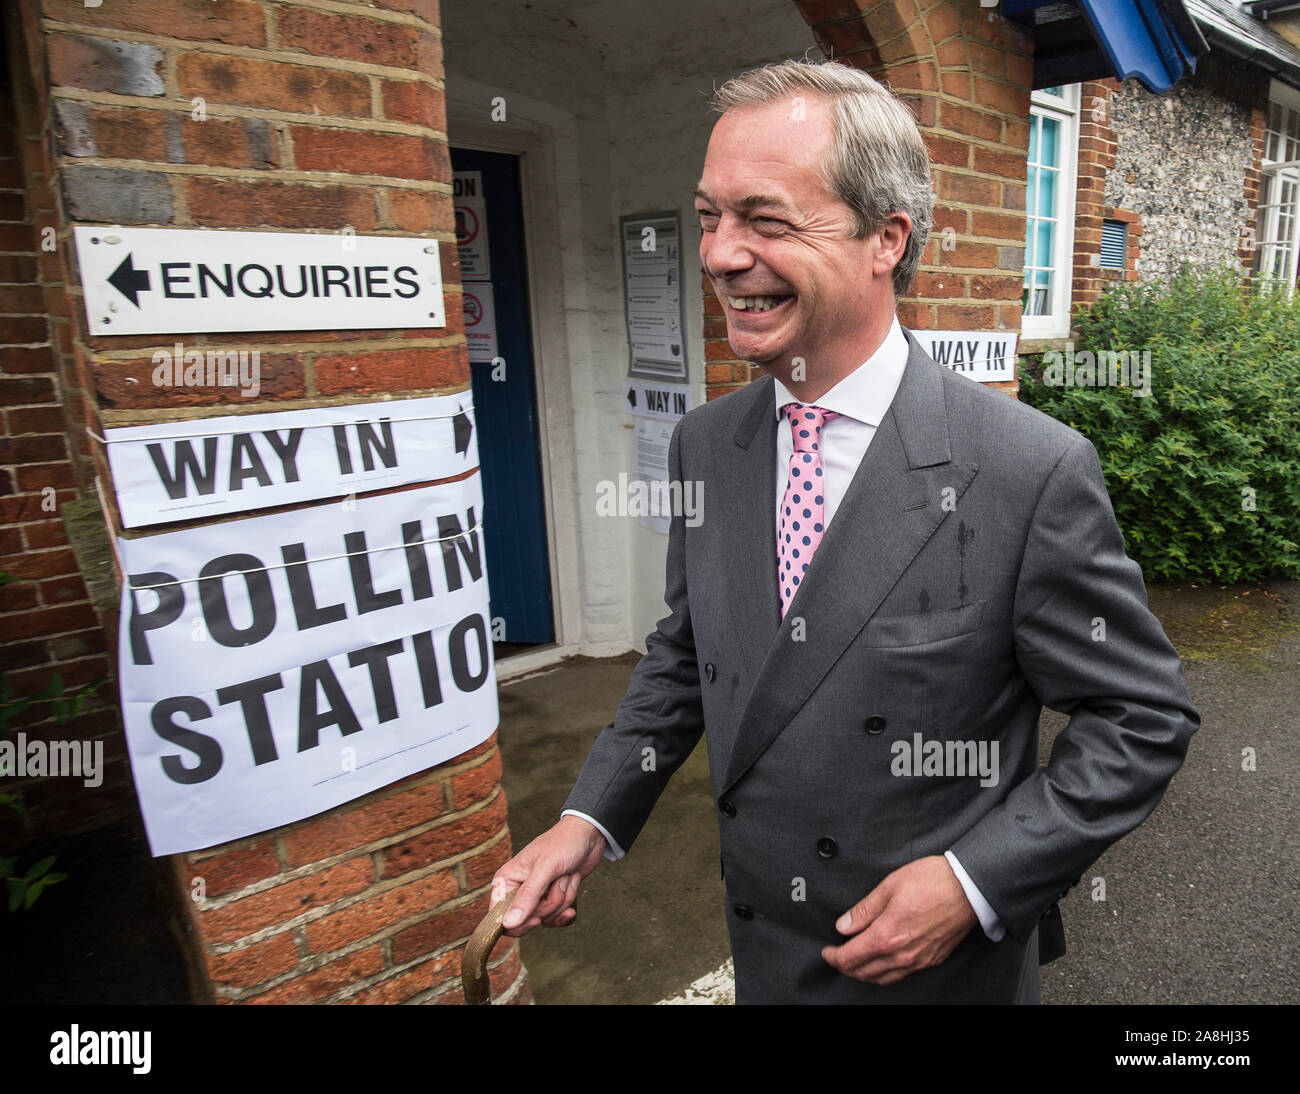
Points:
(748, 506)
(892, 507)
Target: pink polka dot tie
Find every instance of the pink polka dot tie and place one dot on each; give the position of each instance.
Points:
(803, 507)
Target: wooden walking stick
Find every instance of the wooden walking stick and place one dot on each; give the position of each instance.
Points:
(473, 962)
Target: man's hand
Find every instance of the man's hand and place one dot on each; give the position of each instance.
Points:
(910, 921)
(547, 872)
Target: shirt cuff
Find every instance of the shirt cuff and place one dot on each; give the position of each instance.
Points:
(987, 916)
(613, 852)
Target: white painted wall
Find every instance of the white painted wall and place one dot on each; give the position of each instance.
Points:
(611, 98)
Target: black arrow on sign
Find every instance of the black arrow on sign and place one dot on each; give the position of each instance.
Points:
(129, 281)
(463, 429)
(631, 395)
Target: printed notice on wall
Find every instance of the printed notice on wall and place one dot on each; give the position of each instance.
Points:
(480, 322)
(652, 437)
(986, 356)
(471, 225)
(183, 470)
(652, 271)
(278, 666)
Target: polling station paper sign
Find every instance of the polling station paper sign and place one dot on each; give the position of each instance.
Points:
(182, 280)
(278, 666)
(186, 470)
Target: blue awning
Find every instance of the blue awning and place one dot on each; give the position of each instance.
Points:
(1154, 41)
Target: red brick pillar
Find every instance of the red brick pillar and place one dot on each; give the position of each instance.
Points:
(1097, 154)
(966, 73)
(1253, 184)
(303, 116)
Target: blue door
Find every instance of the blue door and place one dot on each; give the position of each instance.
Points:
(505, 398)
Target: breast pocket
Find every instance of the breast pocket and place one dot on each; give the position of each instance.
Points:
(918, 630)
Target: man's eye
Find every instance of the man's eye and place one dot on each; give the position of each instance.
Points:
(769, 224)
(708, 220)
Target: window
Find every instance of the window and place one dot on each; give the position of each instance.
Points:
(1049, 211)
(1277, 226)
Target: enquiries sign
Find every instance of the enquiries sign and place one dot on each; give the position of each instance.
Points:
(175, 281)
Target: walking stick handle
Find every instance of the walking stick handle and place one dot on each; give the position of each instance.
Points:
(473, 962)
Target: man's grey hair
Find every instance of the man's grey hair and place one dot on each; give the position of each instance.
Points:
(878, 164)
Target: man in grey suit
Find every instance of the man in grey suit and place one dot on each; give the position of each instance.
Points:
(897, 569)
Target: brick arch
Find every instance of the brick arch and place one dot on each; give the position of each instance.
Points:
(916, 48)
(966, 73)
(875, 36)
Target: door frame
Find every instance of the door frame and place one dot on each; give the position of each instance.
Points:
(532, 140)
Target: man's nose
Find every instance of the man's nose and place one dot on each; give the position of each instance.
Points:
(725, 251)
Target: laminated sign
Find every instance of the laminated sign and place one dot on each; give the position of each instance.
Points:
(984, 356)
(178, 280)
(278, 666)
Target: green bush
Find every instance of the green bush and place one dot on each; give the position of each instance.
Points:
(1204, 472)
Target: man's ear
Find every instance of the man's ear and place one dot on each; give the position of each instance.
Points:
(893, 236)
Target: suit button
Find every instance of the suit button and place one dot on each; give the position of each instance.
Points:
(876, 723)
(727, 808)
(743, 912)
(708, 671)
(826, 847)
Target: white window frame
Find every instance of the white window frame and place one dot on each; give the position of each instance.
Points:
(1064, 109)
(1267, 215)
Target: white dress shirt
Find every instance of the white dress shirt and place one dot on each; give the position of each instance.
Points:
(861, 400)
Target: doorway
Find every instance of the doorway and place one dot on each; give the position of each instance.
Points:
(490, 237)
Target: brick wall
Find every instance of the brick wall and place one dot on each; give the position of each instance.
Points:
(1182, 162)
(1135, 147)
(368, 904)
(1252, 183)
(965, 72)
(299, 115)
(278, 115)
(47, 625)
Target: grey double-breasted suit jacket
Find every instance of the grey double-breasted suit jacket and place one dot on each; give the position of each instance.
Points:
(973, 573)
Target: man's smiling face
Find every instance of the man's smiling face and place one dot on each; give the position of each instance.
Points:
(779, 247)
